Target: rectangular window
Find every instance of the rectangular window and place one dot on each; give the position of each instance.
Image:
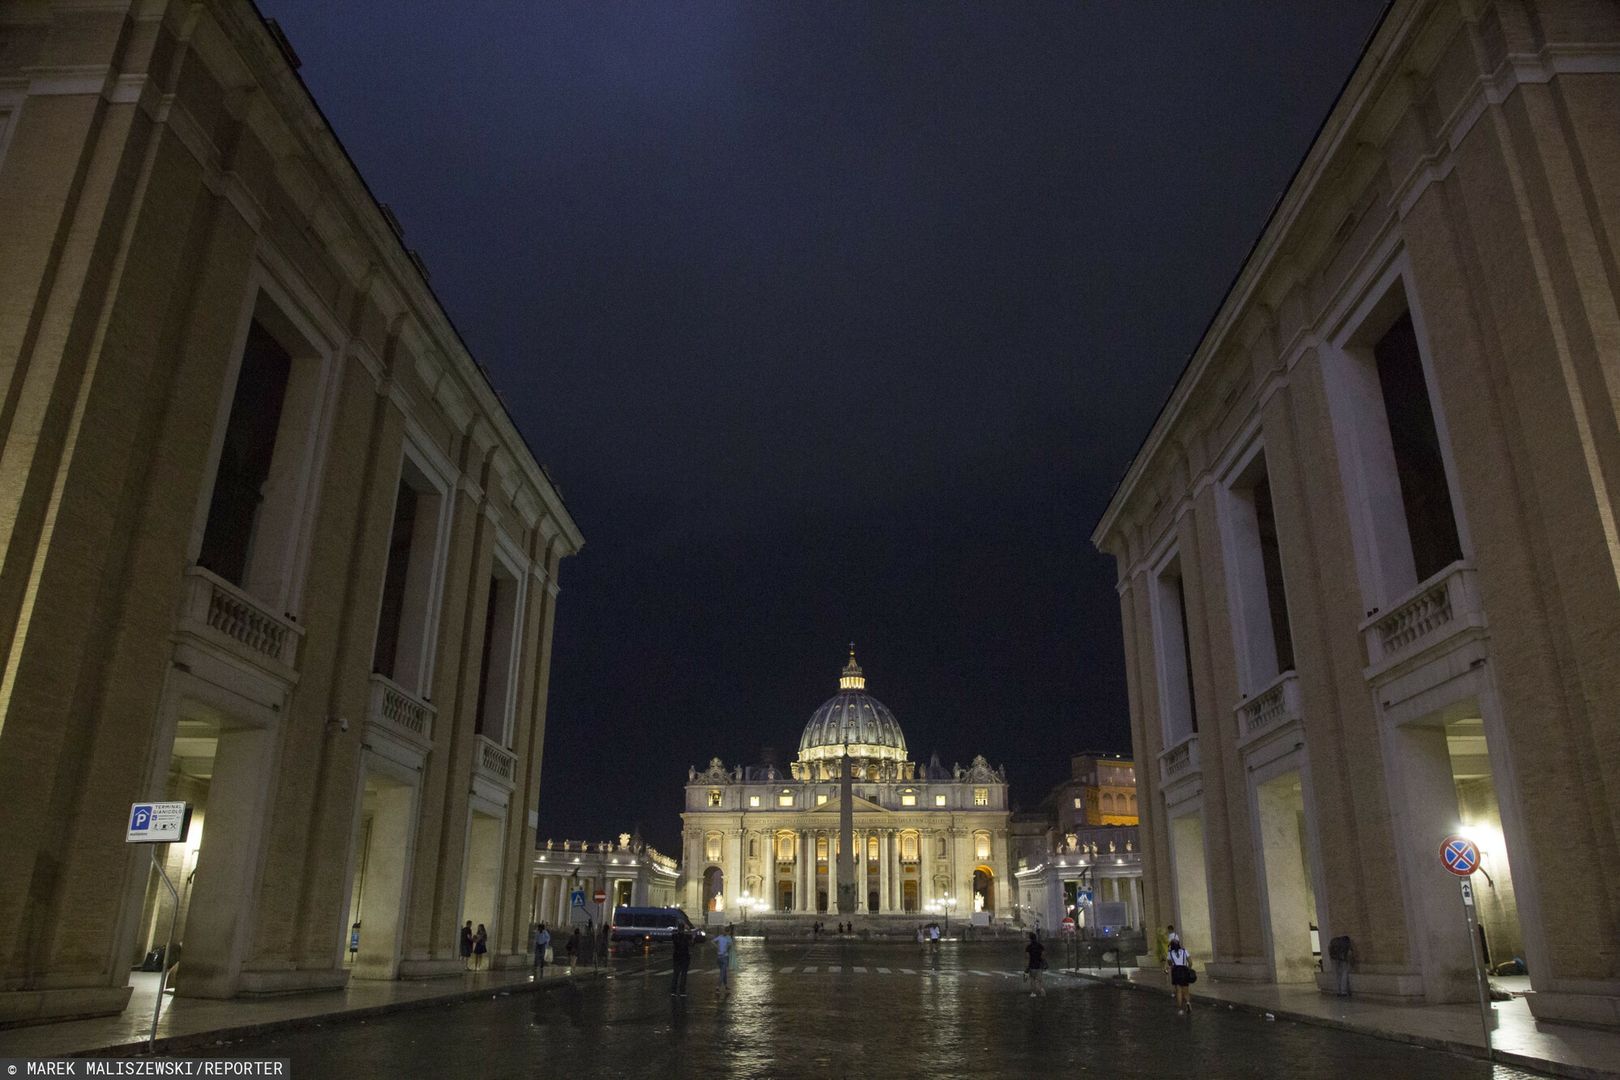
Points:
(908, 798)
(821, 800)
(496, 677)
(251, 432)
(753, 800)
(939, 800)
(1077, 804)
(1176, 702)
(981, 796)
(715, 797)
(784, 799)
(1262, 638)
(1419, 467)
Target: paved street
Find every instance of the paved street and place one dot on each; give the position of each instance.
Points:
(843, 1009)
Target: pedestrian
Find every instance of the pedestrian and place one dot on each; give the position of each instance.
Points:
(919, 935)
(607, 938)
(682, 944)
(572, 949)
(1339, 953)
(933, 935)
(1037, 965)
(542, 950)
(480, 946)
(722, 961)
(587, 948)
(1182, 975)
(466, 944)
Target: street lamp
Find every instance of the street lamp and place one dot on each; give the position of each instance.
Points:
(947, 904)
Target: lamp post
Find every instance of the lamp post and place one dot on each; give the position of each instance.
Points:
(947, 904)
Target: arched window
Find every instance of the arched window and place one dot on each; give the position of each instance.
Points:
(715, 796)
(872, 847)
(784, 847)
(753, 847)
(711, 847)
(908, 846)
(981, 845)
(821, 849)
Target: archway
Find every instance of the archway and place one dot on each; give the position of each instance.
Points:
(984, 889)
(714, 896)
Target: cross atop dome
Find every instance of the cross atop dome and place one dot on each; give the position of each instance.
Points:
(852, 679)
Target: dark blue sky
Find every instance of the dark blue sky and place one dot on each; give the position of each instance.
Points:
(832, 321)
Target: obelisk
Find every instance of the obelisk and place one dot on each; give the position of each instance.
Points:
(846, 839)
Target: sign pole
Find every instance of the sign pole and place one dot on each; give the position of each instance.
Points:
(1485, 1010)
(168, 952)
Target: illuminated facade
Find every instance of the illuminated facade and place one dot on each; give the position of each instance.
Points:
(1368, 568)
(270, 542)
(1080, 848)
(628, 870)
(922, 839)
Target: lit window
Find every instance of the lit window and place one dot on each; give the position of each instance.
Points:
(939, 800)
(908, 846)
(711, 847)
(753, 800)
(784, 799)
(872, 847)
(821, 848)
(981, 796)
(981, 845)
(908, 798)
(821, 800)
(784, 847)
(714, 796)
(1077, 802)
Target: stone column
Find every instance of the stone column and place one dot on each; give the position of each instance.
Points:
(832, 872)
(768, 886)
(801, 898)
(925, 869)
(884, 902)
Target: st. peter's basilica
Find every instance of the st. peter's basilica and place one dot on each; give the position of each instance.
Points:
(899, 837)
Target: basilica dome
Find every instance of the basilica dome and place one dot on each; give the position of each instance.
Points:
(852, 722)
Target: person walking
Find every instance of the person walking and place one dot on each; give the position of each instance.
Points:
(1182, 975)
(542, 946)
(722, 961)
(1037, 965)
(572, 949)
(682, 955)
(480, 947)
(466, 944)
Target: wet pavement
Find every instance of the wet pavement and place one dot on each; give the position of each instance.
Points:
(843, 1009)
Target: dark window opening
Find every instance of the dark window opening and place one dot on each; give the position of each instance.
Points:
(481, 722)
(244, 457)
(1425, 494)
(1271, 562)
(385, 658)
(1186, 657)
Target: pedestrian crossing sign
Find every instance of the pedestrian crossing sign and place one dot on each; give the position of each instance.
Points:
(576, 898)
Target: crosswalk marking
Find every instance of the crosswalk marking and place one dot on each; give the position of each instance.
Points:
(788, 970)
(860, 970)
(834, 969)
(883, 971)
(809, 971)
(907, 971)
(984, 973)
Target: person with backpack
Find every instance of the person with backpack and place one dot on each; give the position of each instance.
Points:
(1182, 975)
(1339, 953)
(1037, 965)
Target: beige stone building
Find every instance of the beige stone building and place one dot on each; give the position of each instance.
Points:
(268, 540)
(1368, 564)
(917, 839)
(628, 872)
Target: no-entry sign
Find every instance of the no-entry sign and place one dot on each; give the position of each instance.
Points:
(1460, 855)
(600, 895)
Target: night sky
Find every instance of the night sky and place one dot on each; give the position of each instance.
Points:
(832, 322)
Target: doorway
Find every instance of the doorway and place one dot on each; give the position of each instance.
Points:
(481, 895)
(385, 839)
(1191, 882)
(714, 889)
(1290, 900)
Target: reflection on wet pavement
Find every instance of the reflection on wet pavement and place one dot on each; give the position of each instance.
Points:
(844, 1009)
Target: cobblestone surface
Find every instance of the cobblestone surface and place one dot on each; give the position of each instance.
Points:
(844, 1010)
